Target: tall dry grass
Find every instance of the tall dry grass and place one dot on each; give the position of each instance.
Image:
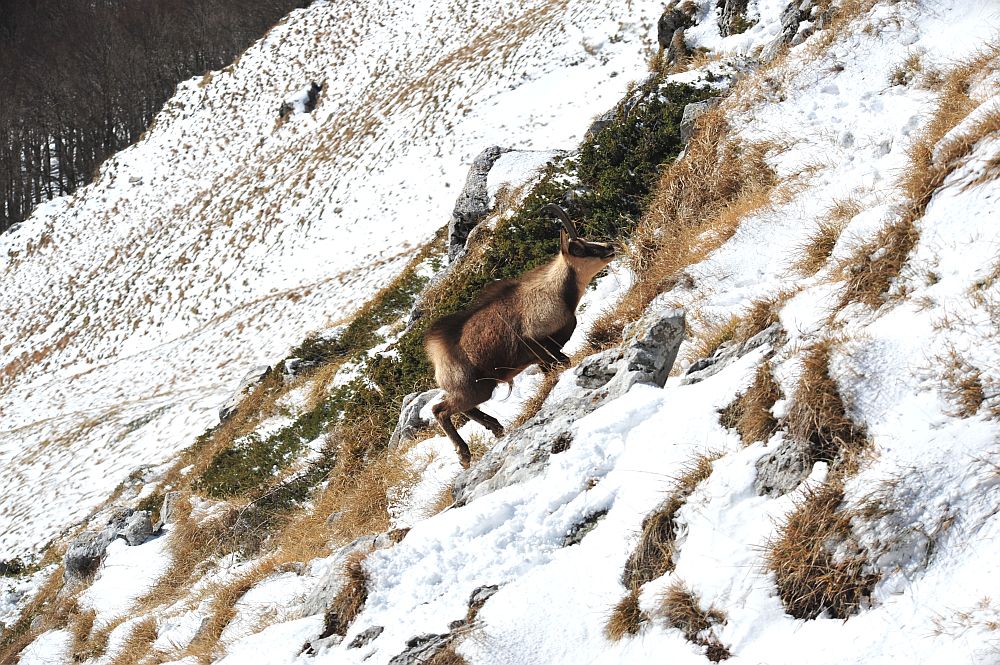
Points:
(697, 206)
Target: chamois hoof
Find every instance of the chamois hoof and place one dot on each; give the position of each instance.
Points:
(464, 457)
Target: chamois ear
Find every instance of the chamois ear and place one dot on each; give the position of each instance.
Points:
(563, 243)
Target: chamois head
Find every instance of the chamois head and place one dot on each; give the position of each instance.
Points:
(585, 256)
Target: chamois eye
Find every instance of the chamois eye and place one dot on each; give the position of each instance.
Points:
(577, 249)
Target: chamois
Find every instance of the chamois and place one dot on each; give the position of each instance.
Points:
(513, 323)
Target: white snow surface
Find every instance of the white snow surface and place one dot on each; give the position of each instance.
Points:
(132, 308)
(937, 553)
(843, 124)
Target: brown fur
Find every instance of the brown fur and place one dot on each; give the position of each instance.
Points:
(514, 323)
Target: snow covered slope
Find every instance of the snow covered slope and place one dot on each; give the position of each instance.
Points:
(930, 482)
(132, 308)
(882, 126)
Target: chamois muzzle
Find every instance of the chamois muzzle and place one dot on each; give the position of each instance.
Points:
(602, 249)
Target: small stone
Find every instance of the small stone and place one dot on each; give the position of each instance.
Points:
(781, 470)
(410, 421)
(84, 554)
(691, 114)
(137, 529)
(365, 636)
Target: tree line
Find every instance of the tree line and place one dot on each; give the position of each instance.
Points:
(82, 79)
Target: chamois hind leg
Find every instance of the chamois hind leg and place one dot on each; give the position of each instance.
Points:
(486, 420)
(443, 411)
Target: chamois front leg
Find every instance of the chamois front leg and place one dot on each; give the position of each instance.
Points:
(442, 412)
(486, 420)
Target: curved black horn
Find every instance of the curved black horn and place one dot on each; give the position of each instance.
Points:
(553, 209)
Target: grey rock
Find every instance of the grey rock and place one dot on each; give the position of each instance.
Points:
(732, 13)
(330, 583)
(421, 649)
(727, 353)
(365, 636)
(473, 202)
(694, 111)
(781, 470)
(85, 553)
(677, 49)
(600, 122)
(670, 22)
(598, 380)
(296, 366)
(169, 507)
(480, 595)
(251, 379)
(137, 528)
(577, 533)
(410, 420)
(795, 13)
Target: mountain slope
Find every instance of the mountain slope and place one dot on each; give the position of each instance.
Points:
(226, 234)
(815, 482)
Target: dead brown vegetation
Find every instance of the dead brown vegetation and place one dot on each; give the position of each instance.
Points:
(962, 384)
(138, 644)
(626, 618)
(359, 490)
(750, 413)
(818, 416)
(350, 599)
(819, 246)
(697, 206)
(447, 656)
(813, 569)
(875, 265)
(682, 610)
(654, 554)
(737, 329)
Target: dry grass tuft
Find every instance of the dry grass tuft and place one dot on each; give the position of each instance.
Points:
(963, 384)
(814, 569)
(750, 413)
(351, 598)
(907, 71)
(654, 554)
(818, 415)
(360, 490)
(45, 611)
(697, 206)
(818, 248)
(80, 626)
(870, 272)
(447, 656)
(138, 644)
(737, 329)
(680, 607)
(222, 610)
(444, 500)
(626, 618)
